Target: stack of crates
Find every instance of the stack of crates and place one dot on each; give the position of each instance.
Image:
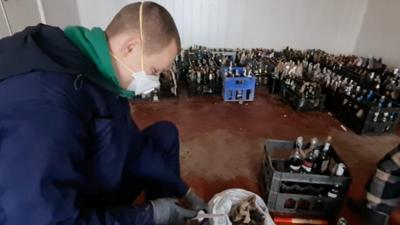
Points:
(375, 120)
(301, 103)
(298, 194)
(238, 88)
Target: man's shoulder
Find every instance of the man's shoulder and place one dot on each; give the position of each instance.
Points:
(73, 92)
(42, 87)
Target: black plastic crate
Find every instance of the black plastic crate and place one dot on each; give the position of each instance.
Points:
(299, 194)
(301, 104)
(371, 123)
(203, 86)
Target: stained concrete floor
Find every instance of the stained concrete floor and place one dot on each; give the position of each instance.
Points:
(222, 143)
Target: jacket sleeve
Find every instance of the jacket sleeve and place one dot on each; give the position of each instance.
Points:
(41, 162)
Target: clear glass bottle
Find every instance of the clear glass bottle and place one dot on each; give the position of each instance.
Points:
(295, 161)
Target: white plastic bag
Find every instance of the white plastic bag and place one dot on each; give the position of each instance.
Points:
(222, 203)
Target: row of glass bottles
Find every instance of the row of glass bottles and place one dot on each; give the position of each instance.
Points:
(259, 61)
(370, 71)
(355, 98)
(203, 69)
(314, 158)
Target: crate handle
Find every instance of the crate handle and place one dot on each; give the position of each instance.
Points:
(239, 82)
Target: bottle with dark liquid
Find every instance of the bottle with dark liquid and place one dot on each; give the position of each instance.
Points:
(316, 154)
(324, 159)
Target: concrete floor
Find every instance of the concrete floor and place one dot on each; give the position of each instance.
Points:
(222, 143)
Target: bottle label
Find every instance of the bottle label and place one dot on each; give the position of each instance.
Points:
(324, 166)
(332, 195)
(295, 168)
(307, 166)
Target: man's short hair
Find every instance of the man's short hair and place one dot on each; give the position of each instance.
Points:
(159, 28)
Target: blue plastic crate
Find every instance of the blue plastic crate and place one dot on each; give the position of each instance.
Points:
(240, 88)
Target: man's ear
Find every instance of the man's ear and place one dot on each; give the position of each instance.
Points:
(130, 45)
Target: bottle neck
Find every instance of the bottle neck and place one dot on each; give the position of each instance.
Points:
(326, 147)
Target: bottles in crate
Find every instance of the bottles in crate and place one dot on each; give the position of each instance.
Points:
(391, 85)
(324, 160)
(371, 63)
(257, 61)
(239, 84)
(295, 161)
(314, 158)
(311, 156)
(203, 66)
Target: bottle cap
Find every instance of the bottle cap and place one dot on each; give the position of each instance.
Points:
(299, 140)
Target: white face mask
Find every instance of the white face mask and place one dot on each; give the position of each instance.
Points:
(142, 83)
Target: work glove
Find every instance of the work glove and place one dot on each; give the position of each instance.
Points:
(167, 212)
(195, 202)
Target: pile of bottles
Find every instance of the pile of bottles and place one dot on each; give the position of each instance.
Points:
(367, 72)
(304, 89)
(293, 76)
(358, 100)
(391, 84)
(304, 71)
(317, 56)
(203, 70)
(258, 61)
(371, 64)
(387, 83)
(292, 54)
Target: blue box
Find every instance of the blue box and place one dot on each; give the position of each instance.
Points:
(239, 88)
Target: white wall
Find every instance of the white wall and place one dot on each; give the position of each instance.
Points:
(380, 32)
(98, 13)
(23, 13)
(61, 13)
(332, 25)
(3, 24)
(363, 27)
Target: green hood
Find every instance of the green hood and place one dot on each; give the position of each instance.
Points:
(93, 43)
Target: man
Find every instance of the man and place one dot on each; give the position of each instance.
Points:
(382, 190)
(69, 150)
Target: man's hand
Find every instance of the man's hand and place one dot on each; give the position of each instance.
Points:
(195, 202)
(167, 212)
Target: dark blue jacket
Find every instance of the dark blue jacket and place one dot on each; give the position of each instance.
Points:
(67, 141)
